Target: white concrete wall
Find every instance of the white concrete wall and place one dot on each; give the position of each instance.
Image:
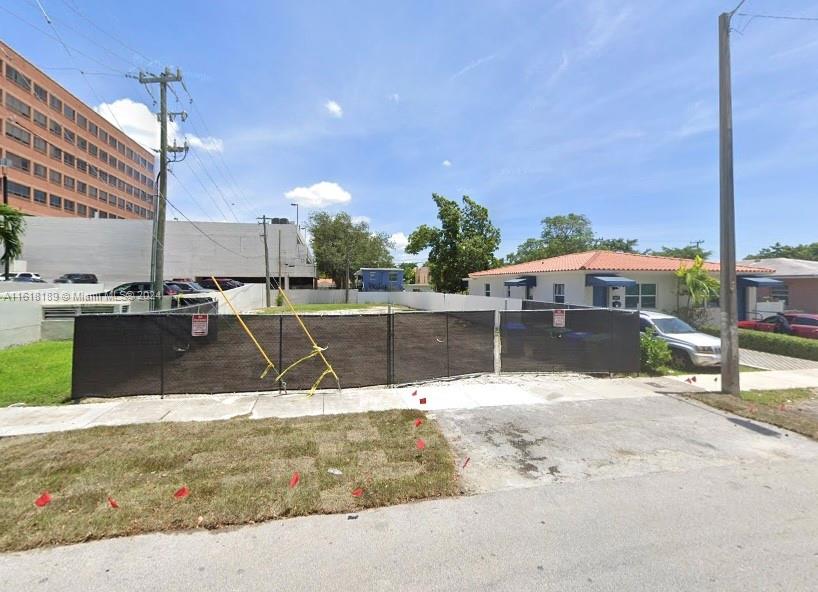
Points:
(118, 251)
(19, 323)
(435, 301)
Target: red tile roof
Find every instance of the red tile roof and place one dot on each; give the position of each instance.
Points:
(606, 261)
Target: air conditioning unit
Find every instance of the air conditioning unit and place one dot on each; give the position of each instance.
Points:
(59, 311)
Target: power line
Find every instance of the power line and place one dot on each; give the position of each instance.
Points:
(779, 17)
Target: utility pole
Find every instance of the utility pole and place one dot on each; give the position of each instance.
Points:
(727, 251)
(4, 162)
(158, 247)
(697, 244)
(266, 262)
(279, 259)
(346, 276)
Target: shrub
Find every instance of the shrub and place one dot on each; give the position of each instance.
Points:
(279, 300)
(774, 343)
(655, 353)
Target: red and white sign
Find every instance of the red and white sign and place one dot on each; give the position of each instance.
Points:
(559, 317)
(198, 326)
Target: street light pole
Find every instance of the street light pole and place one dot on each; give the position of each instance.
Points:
(727, 252)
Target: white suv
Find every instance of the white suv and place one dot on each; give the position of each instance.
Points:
(689, 347)
(24, 275)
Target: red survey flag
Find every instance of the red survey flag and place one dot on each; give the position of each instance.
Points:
(418, 421)
(43, 500)
(112, 503)
(357, 492)
(421, 444)
(422, 401)
(182, 492)
(414, 393)
(295, 479)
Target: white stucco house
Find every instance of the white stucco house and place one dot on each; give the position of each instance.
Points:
(607, 279)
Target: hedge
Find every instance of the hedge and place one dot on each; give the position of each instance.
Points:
(773, 343)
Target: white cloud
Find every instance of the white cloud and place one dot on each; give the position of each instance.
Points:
(400, 241)
(140, 123)
(473, 65)
(334, 109)
(447, 163)
(320, 195)
(359, 219)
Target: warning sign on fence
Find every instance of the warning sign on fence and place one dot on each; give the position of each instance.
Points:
(199, 325)
(559, 317)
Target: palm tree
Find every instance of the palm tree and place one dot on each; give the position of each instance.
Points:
(699, 285)
(11, 233)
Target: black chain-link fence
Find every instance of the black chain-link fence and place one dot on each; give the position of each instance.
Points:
(135, 354)
(590, 340)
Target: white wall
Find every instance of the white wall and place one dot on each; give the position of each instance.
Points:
(19, 323)
(435, 301)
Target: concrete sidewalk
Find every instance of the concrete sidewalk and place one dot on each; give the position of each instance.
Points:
(754, 381)
(466, 393)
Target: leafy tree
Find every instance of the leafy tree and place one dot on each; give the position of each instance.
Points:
(688, 252)
(11, 233)
(565, 234)
(464, 243)
(699, 287)
(340, 244)
(408, 272)
(808, 252)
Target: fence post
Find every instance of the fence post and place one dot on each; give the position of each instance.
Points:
(280, 348)
(162, 358)
(498, 343)
(389, 351)
(448, 370)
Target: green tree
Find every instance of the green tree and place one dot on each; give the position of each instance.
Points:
(339, 244)
(808, 252)
(11, 233)
(408, 272)
(566, 234)
(688, 252)
(464, 243)
(699, 287)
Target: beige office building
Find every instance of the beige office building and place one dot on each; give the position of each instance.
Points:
(64, 158)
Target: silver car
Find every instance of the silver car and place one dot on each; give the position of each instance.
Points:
(689, 347)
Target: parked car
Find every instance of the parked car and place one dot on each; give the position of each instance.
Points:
(28, 279)
(77, 278)
(140, 289)
(799, 324)
(22, 275)
(188, 287)
(225, 283)
(688, 346)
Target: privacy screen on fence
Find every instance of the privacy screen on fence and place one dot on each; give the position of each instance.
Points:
(116, 355)
(591, 340)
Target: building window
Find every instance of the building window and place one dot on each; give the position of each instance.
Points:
(103, 214)
(39, 196)
(22, 191)
(18, 162)
(120, 203)
(55, 201)
(55, 177)
(81, 121)
(92, 192)
(82, 210)
(92, 212)
(55, 128)
(68, 112)
(781, 292)
(103, 135)
(103, 156)
(487, 289)
(82, 165)
(18, 133)
(40, 171)
(93, 171)
(18, 79)
(129, 206)
(56, 153)
(18, 106)
(82, 187)
(92, 150)
(40, 145)
(92, 128)
(55, 103)
(40, 93)
(68, 205)
(559, 293)
(640, 296)
(68, 135)
(82, 144)
(68, 182)
(68, 159)
(40, 119)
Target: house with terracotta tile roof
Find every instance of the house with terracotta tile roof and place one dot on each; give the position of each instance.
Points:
(607, 279)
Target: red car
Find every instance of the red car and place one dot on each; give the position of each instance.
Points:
(802, 325)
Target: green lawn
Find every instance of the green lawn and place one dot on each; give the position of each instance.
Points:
(324, 308)
(239, 471)
(36, 374)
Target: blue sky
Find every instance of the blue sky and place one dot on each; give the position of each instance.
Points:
(606, 108)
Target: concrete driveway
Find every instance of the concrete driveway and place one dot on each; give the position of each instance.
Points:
(612, 436)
